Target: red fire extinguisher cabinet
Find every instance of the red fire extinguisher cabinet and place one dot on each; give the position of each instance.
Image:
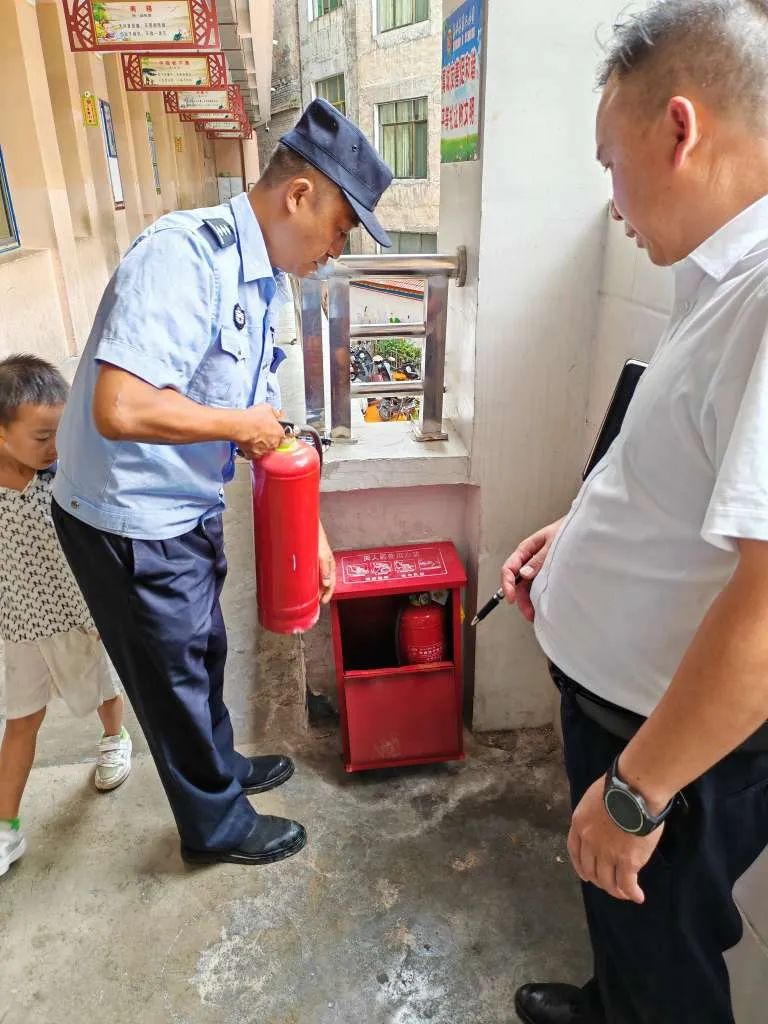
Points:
(394, 714)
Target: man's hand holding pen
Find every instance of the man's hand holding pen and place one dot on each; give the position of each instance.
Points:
(520, 570)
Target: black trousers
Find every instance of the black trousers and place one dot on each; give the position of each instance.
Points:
(156, 606)
(662, 962)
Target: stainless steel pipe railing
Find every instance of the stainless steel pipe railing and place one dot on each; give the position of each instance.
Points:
(437, 271)
(390, 387)
(425, 265)
(387, 330)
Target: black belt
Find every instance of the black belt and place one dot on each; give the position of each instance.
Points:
(617, 721)
(624, 724)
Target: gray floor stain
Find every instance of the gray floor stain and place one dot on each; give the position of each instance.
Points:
(425, 896)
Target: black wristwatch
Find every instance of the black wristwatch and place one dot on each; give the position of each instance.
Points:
(628, 809)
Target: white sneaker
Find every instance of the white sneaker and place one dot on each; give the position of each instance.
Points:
(13, 845)
(114, 764)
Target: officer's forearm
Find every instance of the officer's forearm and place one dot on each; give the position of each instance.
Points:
(126, 408)
(719, 695)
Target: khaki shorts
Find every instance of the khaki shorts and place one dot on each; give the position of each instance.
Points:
(73, 666)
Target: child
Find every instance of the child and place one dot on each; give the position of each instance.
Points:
(51, 645)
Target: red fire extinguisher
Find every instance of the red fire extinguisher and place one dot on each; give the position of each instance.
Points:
(421, 633)
(286, 520)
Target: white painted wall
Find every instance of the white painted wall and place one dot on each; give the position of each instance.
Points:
(460, 218)
(367, 306)
(635, 301)
(533, 215)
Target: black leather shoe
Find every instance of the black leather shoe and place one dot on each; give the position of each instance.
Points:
(272, 839)
(268, 772)
(554, 1004)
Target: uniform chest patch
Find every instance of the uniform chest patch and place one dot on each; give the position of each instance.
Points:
(238, 316)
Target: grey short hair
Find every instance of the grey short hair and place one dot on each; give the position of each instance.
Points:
(28, 380)
(718, 45)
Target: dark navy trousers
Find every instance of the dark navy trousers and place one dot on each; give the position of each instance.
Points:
(662, 962)
(156, 606)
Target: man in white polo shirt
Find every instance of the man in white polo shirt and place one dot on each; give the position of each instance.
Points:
(651, 596)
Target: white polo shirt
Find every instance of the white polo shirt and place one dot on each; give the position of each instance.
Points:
(649, 542)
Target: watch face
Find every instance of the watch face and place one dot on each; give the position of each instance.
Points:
(624, 811)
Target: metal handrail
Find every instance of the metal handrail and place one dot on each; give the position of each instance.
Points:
(437, 270)
(387, 387)
(387, 330)
(425, 265)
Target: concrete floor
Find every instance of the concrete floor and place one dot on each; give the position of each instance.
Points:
(425, 896)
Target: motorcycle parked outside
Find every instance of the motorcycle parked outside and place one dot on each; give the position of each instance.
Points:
(361, 366)
(390, 409)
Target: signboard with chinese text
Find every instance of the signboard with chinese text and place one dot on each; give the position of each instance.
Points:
(179, 143)
(197, 115)
(110, 25)
(205, 101)
(162, 71)
(392, 565)
(218, 126)
(462, 54)
(242, 133)
(90, 110)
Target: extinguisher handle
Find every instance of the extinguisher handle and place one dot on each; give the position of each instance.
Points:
(307, 433)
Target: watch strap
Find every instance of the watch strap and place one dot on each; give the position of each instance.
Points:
(651, 822)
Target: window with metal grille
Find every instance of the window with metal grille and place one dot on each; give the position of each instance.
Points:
(396, 13)
(412, 242)
(9, 232)
(332, 89)
(321, 7)
(403, 139)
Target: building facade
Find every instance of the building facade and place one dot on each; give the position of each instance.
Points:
(286, 79)
(378, 61)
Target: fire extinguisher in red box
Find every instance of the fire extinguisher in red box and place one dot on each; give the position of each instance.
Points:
(421, 631)
(286, 518)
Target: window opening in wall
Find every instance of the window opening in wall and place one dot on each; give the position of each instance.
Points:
(397, 13)
(320, 7)
(153, 152)
(110, 145)
(332, 89)
(403, 137)
(412, 242)
(9, 231)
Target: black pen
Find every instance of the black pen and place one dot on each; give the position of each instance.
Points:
(497, 598)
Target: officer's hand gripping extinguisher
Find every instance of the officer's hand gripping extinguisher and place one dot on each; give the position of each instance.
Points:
(286, 521)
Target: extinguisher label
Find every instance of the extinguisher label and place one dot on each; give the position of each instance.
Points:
(427, 653)
(408, 564)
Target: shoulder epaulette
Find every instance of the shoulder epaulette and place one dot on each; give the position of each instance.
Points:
(221, 231)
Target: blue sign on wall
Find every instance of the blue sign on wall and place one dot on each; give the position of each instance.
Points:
(462, 50)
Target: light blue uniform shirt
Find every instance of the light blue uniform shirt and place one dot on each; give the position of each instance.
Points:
(180, 312)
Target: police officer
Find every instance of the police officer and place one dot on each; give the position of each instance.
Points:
(177, 374)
